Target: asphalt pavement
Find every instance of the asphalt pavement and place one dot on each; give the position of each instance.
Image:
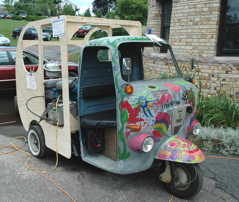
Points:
(83, 182)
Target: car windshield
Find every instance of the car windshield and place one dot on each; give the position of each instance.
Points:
(164, 66)
(34, 31)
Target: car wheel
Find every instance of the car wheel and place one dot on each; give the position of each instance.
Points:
(188, 183)
(17, 37)
(35, 38)
(36, 141)
(75, 35)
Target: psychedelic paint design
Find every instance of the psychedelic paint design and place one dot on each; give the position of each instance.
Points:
(161, 125)
(180, 150)
(145, 102)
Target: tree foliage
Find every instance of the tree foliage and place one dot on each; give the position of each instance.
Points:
(87, 13)
(132, 10)
(68, 10)
(36, 7)
(98, 13)
(103, 5)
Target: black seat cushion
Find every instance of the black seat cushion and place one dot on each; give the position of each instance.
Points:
(105, 119)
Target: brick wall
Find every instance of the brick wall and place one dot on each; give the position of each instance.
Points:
(194, 28)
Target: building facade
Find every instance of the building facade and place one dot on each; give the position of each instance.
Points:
(67, 2)
(206, 29)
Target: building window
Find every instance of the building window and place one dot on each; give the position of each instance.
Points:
(166, 19)
(229, 28)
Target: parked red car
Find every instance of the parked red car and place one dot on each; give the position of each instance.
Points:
(7, 66)
(83, 31)
(9, 16)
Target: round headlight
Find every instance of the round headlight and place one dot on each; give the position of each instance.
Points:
(196, 128)
(148, 144)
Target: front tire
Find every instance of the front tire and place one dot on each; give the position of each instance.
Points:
(36, 141)
(189, 181)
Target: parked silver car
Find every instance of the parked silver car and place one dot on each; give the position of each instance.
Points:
(4, 41)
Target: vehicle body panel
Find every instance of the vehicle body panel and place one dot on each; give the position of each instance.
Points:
(153, 105)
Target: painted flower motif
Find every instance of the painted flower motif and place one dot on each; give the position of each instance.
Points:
(181, 150)
(173, 144)
(165, 98)
(173, 87)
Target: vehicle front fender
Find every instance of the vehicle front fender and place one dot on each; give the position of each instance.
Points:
(178, 149)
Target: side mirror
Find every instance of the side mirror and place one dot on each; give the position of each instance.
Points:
(127, 66)
(193, 66)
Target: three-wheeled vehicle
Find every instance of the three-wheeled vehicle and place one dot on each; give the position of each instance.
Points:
(120, 114)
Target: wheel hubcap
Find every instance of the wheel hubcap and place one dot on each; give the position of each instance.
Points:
(183, 181)
(34, 143)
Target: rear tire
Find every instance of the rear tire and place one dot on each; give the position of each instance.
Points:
(36, 141)
(189, 181)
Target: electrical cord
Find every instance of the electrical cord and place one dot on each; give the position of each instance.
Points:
(13, 148)
(29, 108)
(42, 117)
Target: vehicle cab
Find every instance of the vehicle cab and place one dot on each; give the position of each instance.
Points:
(122, 99)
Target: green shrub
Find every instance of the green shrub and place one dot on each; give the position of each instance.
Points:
(221, 140)
(119, 32)
(16, 17)
(34, 17)
(217, 110)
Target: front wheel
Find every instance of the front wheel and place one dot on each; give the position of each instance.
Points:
(36, 141)
(188, 181)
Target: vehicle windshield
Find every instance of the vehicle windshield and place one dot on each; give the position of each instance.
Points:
(158, 66)
(34, 31)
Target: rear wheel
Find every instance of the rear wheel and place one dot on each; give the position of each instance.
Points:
(36, 141)
(17, 37)
(188, 182)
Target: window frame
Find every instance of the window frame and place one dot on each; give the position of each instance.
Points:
(164, 25)
(222, 25)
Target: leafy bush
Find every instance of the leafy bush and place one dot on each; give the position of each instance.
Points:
(34, 17)
(221, 140)
(218, 110)
(16, 17)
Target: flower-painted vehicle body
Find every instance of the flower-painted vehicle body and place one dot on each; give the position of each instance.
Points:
(130, 116)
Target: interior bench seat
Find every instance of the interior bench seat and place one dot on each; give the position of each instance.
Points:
(105, 119)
